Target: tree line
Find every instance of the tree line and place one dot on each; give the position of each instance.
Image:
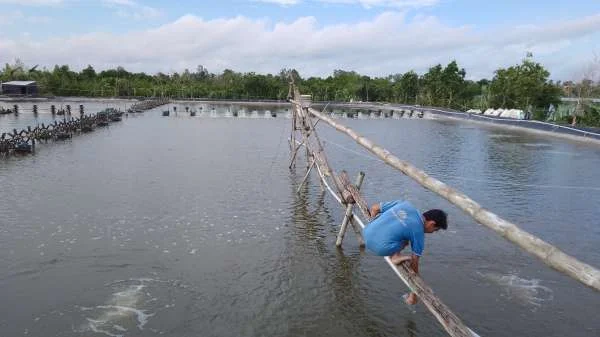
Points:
(523, 86)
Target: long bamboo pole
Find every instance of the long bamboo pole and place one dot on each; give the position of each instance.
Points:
(546, 252)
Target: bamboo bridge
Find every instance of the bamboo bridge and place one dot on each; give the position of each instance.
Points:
(304, 135)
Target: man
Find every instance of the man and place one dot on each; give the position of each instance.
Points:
(395, 224)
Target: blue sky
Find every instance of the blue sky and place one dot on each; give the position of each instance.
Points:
(374, 37)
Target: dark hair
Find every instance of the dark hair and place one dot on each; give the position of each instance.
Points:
(440, 217)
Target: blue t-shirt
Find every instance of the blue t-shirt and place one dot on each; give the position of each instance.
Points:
(398, 223)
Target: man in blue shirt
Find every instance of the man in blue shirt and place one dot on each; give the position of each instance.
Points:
(397, 223)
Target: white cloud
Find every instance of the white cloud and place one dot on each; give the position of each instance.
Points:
(12, 17)
(8, 18)
(39, 20)
(364, 3)
(130, 9)
(281, 2)
(32, 2)
(385, 3)
(389, 43)
(121, 2)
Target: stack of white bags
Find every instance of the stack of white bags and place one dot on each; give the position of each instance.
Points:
(506, 113)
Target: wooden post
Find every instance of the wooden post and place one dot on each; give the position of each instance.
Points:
(352, 193)
(294, 154)
(293, 133)
(321, 186)
(308, 158)
(348, 216)
(306, 176)
(293, 146)
(358, 232)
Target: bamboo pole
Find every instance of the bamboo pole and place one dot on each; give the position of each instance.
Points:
(293, 133)
(351, 195)
(306, 175)
(546, 252)
(358, 232)
(348, 214)
(294, 154)
(308, 159)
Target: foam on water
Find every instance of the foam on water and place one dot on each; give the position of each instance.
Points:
(501, 135)
(537, 145)
(120, 313)
(528, 292)
(563, 153)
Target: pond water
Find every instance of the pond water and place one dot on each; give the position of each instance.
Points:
(191, 226)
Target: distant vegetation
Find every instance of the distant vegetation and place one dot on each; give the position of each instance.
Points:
(524, 86)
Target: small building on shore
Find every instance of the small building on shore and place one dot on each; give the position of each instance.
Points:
(20, 88)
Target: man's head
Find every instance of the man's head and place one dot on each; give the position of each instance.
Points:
(435, 219)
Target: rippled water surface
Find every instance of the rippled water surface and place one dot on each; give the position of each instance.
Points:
(191, 226)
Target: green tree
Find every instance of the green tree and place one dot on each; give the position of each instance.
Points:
(443, 86)
(88, 73)
(406, 87)
(524, 86)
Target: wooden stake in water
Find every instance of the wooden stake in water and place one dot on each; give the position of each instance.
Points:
(306, 176)
(348, 216)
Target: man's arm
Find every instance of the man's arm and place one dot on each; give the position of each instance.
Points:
(382, 207)
(414, 265)
(374, 210)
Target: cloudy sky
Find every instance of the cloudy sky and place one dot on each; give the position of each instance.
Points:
(373, 37)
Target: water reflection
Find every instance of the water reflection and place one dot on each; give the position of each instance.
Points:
(309, 225)
(411, 328)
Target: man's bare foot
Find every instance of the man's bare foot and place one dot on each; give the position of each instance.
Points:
(410, 299)
(399, 259)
